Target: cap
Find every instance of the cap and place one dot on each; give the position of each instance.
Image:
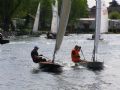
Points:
(36, 47)
(76, 46)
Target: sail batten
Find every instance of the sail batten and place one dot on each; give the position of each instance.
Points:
(36, 22)
(65, 10)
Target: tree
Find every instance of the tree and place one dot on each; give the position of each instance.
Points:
(21, 8)
(46, 12)
(79, 9)
(7, 8)
(114, 15)
(114, 3)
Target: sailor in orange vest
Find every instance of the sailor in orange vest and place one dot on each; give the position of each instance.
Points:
(75, 54)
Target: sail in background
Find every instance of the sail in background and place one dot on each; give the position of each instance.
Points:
(36, 22)
(104, 17)
(65, 10)
(55, 18)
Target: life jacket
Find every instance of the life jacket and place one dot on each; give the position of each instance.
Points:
(75, 56)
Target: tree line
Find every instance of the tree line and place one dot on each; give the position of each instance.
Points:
(10, 9)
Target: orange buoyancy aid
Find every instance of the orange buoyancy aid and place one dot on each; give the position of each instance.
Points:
(75, 56)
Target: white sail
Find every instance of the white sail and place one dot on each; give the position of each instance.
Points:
(55, 18)
(65, 10)
(36, 22)
(104, 17)
(98, 28)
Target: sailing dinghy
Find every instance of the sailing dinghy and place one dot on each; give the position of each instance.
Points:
(55, 22)
(97, 65)
(104, 20)
(65, 10)
(3, 41)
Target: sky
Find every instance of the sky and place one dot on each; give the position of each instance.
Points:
(92, 2)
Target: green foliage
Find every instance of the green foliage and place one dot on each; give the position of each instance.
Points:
(114, 15)
(20, 8)
(78, 9)
(7, 9)
(46, 12)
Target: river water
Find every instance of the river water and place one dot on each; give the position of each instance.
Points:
(18, 72)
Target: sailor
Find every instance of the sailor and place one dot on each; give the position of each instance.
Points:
(35, 57)
(1, 36)
(75, 54)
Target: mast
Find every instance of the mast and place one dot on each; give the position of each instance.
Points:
(97, 29)
(36, 22)
(65, 10)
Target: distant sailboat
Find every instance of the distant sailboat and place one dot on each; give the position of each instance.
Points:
(36, 22)
(65, 10)
(99, 19)
(55, 22)
(103, 17)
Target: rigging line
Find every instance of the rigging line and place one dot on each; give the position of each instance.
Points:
(83, 54)
(53, 57)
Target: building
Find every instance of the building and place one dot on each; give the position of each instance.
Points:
(88, 25)
(114, 6)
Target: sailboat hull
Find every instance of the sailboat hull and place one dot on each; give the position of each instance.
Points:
(93, 39)
(51, 36)
(95, 65)
(4, 41)
(50, 67)
(91, 65)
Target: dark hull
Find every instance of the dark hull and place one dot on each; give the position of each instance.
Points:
(4, 41)
(93, 39)
(50, 67)
(92, 65)
(95, 65)
(51, 36)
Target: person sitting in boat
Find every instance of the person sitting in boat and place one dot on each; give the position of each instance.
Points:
(1, 36)
(75, 54)
(35, 57)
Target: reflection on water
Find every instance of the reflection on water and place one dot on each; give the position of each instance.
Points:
(18, 72)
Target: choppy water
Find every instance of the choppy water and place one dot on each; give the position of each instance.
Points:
(17, 68)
